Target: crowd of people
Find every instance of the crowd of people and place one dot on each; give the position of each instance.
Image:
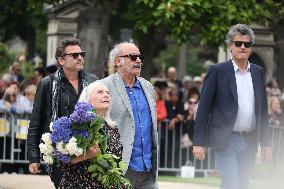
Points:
(175, 112)
(17, 93)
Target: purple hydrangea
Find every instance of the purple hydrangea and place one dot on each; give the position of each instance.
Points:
(61, 130)
(65, 158)
(83, 113)
(80, 132)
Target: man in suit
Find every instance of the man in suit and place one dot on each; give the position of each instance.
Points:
(134, 111)
(232, 112)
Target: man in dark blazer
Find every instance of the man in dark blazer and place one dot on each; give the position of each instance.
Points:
(232, 113)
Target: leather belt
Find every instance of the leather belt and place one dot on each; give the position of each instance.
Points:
(241, 133)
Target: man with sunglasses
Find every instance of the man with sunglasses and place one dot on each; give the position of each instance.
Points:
(133, 108)
(56, 96)
(232, 113)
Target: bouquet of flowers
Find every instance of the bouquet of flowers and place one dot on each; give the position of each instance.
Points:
(71, 137)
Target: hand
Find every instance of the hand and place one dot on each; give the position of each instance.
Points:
(92, 151)
(34, 168)
(199, 152)
(172, 124)
(266, 154)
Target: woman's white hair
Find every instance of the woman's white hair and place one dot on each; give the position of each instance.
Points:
(86, 97)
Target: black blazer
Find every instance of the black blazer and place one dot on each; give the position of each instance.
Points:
(218, 107)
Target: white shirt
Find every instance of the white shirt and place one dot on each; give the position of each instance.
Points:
(245, 120)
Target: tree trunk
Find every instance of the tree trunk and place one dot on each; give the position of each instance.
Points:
(181, 67)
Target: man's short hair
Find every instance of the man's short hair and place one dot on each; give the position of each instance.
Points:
(60, 50)
(239, 29)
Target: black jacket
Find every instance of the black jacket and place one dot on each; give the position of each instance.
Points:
(41, 114)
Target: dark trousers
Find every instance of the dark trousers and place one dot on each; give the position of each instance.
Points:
(56, 174)
(141, 180)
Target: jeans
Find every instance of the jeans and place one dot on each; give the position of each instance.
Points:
(235, 162)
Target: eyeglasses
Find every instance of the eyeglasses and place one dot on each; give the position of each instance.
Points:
(76, 55)
(240, 43)
(192, 102)
(133, 57)
(13, 95)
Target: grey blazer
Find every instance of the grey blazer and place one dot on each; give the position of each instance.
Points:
(121, 112)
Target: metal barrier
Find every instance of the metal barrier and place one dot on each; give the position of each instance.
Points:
(172, 156)
(13, 145)
(277, 133)
(13, 134)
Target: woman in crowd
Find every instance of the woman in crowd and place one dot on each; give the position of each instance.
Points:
(76, 173)
(161, 106)
(30, 92)
(8, 100)
(274, 110)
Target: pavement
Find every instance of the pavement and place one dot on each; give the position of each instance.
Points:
(16, 181)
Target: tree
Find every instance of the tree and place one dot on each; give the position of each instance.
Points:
(23, 18)
(209, 18)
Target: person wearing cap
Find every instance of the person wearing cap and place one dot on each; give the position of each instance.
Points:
(197, 82)
(232, 116)
(16, 72)
(187, 84)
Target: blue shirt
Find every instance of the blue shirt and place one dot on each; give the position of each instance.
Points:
(142, 148)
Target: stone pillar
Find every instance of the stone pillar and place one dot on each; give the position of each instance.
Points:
(223, 54)
(93, 25)
(62, 23)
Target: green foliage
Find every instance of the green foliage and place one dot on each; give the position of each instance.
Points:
(27, 69)
(6, 58)
(107, 168)
(210, 18)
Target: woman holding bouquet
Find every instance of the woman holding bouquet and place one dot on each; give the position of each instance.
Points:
(76, 174)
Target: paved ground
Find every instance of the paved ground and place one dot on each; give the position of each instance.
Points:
(14, 181)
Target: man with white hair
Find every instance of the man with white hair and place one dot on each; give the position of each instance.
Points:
(133, 109)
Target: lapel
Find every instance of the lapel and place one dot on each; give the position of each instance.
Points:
(256, 84)
(148, 97)
(232, 78)
(118, 83)
(152, 106)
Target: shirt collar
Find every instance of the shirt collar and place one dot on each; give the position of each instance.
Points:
(236, 67)
(136, 84)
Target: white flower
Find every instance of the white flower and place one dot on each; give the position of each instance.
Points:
(46, 138)
(46, 149)
(51, 126)
(60, 148)
(72, 147)
(48, 159)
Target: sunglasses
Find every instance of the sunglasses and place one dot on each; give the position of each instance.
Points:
(240, 43)
(133, 57)
(76, 55)
(14, 95)
(192, 102)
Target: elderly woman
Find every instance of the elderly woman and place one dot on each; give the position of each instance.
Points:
(76, 173)
(274, 110)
